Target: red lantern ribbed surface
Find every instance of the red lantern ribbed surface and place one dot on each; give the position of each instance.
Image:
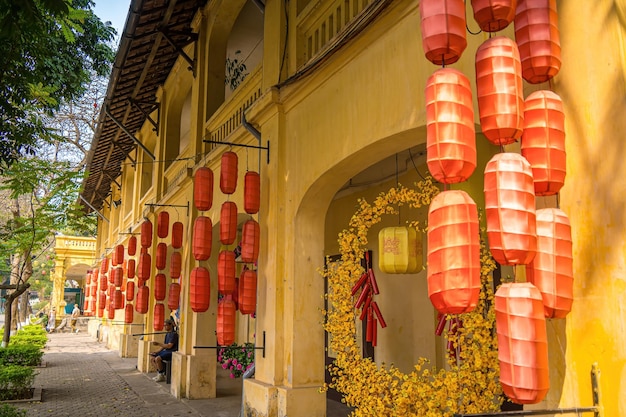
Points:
(226, 268)
(159, 317)
(93, 290)
(145, 264)
(119, 254)
(103, 284)
(203, 189)
(494, 15)
(173, 296)
(102, 300)
(543, 141)
(118, 276)
(246, 299)
(163, 224)
(200, 289)
(146, 234)
(176, 261)
(252, 192)
(130, 290)
(499, 89)
(226, 317)
(202, 238)
(128, 314)
(131, 268)
(118, 299)
(161, 256)
(510, 209)
(160, 284)
(538, 39)
(110, 312)
(177, 235)
(143, 294)
(552, 270)
(450, 134)
(229, 172)
(104, 266)
(522, 343)
(453, 252)
(250, 241)
(228, 222)
(443, 30)
(132, 246)
(111, 276)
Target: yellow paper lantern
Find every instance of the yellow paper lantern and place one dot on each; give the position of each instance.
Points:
(400, 250)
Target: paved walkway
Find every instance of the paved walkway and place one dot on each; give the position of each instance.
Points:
(82, 378)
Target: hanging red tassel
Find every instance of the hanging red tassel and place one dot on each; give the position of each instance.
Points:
(146, 234)
(226, 318)
(250, 241)
(203, 189)
(228, 173)
(200, 289)
(228, 223)
(177, 235)
(443, 30)
(159, 287)
(163, 224)
(202, 238)
(226, 272)
(252, 192)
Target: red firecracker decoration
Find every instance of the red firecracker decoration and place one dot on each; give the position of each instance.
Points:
(453, 253)
(494, 15)
(146, 234)
(246, 299)
(543, 141)
(203, 189)
(132, 246)
(229, 172)
(552, 270)
(161, 256)
(143, 295)
(200, 289)
(159, 317)
(522, 343)
(499, 89)
(510, 209)
(128, 314)
(177, 235)
(450, 134)
(228, 223)
(250, 241)
(173, 296)
(202, 238)
(443, 30)
(160, 284)
(163, 224)
(226, 272)
(365, 301)
(226, 317)
(176, 261)
(252, 192)
(537, 35)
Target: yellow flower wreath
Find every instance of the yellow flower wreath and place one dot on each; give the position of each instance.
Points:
(469, 385)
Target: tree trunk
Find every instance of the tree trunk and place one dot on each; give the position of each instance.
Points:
(8, 312)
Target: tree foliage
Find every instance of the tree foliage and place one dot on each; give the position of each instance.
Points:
(50, 50)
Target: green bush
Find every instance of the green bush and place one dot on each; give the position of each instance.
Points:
(23, 355)
(7, 410)
(33, 335)
(16, 382)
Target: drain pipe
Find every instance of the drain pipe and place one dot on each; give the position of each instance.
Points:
(249, 127)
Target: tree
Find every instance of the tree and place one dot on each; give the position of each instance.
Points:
(52, 67)
(49, 49)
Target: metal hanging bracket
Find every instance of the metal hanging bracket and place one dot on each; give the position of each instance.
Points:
(152, 106)
(261, 348)
(193, 38)
(169, 205)
(267, 148)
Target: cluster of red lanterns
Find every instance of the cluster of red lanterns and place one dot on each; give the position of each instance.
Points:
(518, 234)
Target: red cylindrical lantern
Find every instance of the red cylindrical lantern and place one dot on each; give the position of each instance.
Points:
(143, 295)
(111, 312)
(499, 89)
(203, 189)
(163, 224)
(176, 261)
(131, 268)
(118, 299)
(111, 276)
(228, 172)
(453, 252)
(252, 192)
(443, 30)
(130, 290)
(200, 289)
(543, 140)
(100, 313)
(118, 276)
(226, 317)
(103, 284)
(160, 283)
(146, 234)
(104, 266)
(228, 222)
(522, 343)
(161, 256)
(510, 209)
(93, 290)
(145, 264)
(450, 133)
(202, 238)
(538, 39)
(552, 270)
(102, 300)
(119, 254)
(226, 272)
(177, 235)
(128, 314)
(173, 296)
(250, 241)
(159, 317)
(247, 292)
(494, 15)
(132, 246)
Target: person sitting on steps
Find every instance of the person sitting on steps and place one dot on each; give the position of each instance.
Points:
(167, 347)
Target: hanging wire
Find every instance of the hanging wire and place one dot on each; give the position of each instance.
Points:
(415, 166)
(397, 185)
(466, 26)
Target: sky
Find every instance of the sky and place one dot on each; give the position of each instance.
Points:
(114, 11)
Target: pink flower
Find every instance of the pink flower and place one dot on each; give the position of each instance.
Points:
(235, 362)
(224, 366)
(239, 367)
(232, 375)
